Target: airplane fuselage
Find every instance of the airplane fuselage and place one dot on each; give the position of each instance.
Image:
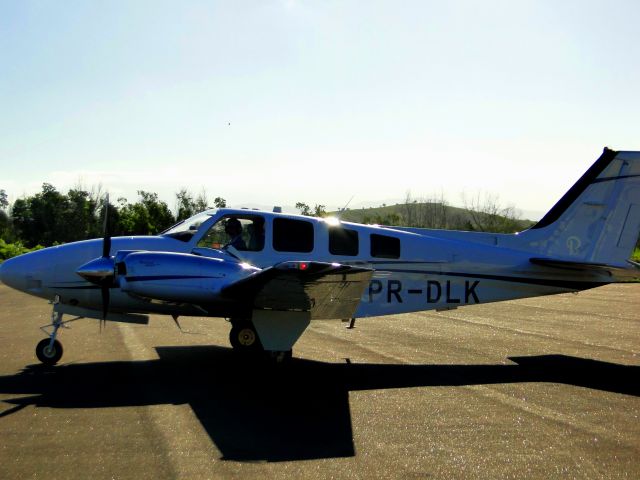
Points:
(413, 270)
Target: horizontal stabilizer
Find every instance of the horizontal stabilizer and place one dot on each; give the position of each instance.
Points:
(326, 290)
(618, 273)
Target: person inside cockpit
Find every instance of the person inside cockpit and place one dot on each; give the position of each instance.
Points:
(233, 228)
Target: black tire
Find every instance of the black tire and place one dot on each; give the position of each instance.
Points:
(49, 356)
(244, 337)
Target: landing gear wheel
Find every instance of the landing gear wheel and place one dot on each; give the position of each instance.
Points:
(49, 355)
(244, 338)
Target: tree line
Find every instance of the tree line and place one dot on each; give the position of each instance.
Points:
(51, 217)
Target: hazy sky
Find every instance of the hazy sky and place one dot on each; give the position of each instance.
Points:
(274, 102)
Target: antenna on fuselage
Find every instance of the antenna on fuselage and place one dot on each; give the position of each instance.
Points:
(345, 207)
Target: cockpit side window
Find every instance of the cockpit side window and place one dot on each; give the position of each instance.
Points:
(242, 232)
(186, 229)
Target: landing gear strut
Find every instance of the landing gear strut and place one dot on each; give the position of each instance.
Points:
(49, 350)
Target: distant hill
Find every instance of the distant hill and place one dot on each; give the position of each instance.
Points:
(435, 215)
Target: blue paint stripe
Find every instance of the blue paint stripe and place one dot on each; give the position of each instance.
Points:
(165, 277)
(79, 287)
(570, 284)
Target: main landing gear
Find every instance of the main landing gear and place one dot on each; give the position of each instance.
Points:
(244, 337)
(245, 340)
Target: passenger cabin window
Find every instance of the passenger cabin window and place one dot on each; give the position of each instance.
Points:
(383, 246)
(243, 232)
(343, 241)
(292, 235)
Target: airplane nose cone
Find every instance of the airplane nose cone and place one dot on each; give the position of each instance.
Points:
(12, 275)
(27, 272)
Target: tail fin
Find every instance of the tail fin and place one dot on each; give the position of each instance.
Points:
(598, 219)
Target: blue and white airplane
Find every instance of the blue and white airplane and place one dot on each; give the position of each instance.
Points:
(271, 274)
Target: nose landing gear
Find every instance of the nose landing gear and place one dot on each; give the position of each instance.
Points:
(49, 350)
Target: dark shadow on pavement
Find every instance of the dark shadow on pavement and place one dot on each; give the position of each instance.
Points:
(299, 411)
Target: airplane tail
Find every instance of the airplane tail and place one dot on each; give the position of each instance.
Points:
(598, 220)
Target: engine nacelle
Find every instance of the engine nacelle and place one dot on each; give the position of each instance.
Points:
(178, 277)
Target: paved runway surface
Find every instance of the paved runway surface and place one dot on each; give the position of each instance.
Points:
(546, 387)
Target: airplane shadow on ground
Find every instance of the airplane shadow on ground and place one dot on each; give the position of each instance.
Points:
(256, 412)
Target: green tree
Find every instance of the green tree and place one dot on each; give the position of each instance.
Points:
(81, 216)
(148, 216)
(317, 211)
(6, 232)
(37, 218)
(4, 202)
(50, 217)
(304, 208)
(186, 206)
(487, 215)
(159, 213)
(5, 226)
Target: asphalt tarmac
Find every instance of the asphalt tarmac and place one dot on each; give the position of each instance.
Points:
(535, 388)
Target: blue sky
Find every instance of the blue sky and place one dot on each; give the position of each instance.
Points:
(275, 102)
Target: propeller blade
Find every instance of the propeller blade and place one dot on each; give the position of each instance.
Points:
(106, 242)
(106, 246)
(105, 300)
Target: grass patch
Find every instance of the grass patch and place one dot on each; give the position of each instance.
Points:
(8, 250)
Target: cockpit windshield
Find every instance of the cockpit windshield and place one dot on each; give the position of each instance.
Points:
(187, 228)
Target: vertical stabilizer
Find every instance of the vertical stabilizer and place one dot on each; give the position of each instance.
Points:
(598, 219)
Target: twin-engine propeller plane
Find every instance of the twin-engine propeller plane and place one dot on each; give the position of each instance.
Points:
(271, 274)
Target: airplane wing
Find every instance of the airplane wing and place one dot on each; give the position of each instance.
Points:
(326, 290)
(619, 273)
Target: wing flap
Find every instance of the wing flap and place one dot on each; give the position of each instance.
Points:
(326, 290)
